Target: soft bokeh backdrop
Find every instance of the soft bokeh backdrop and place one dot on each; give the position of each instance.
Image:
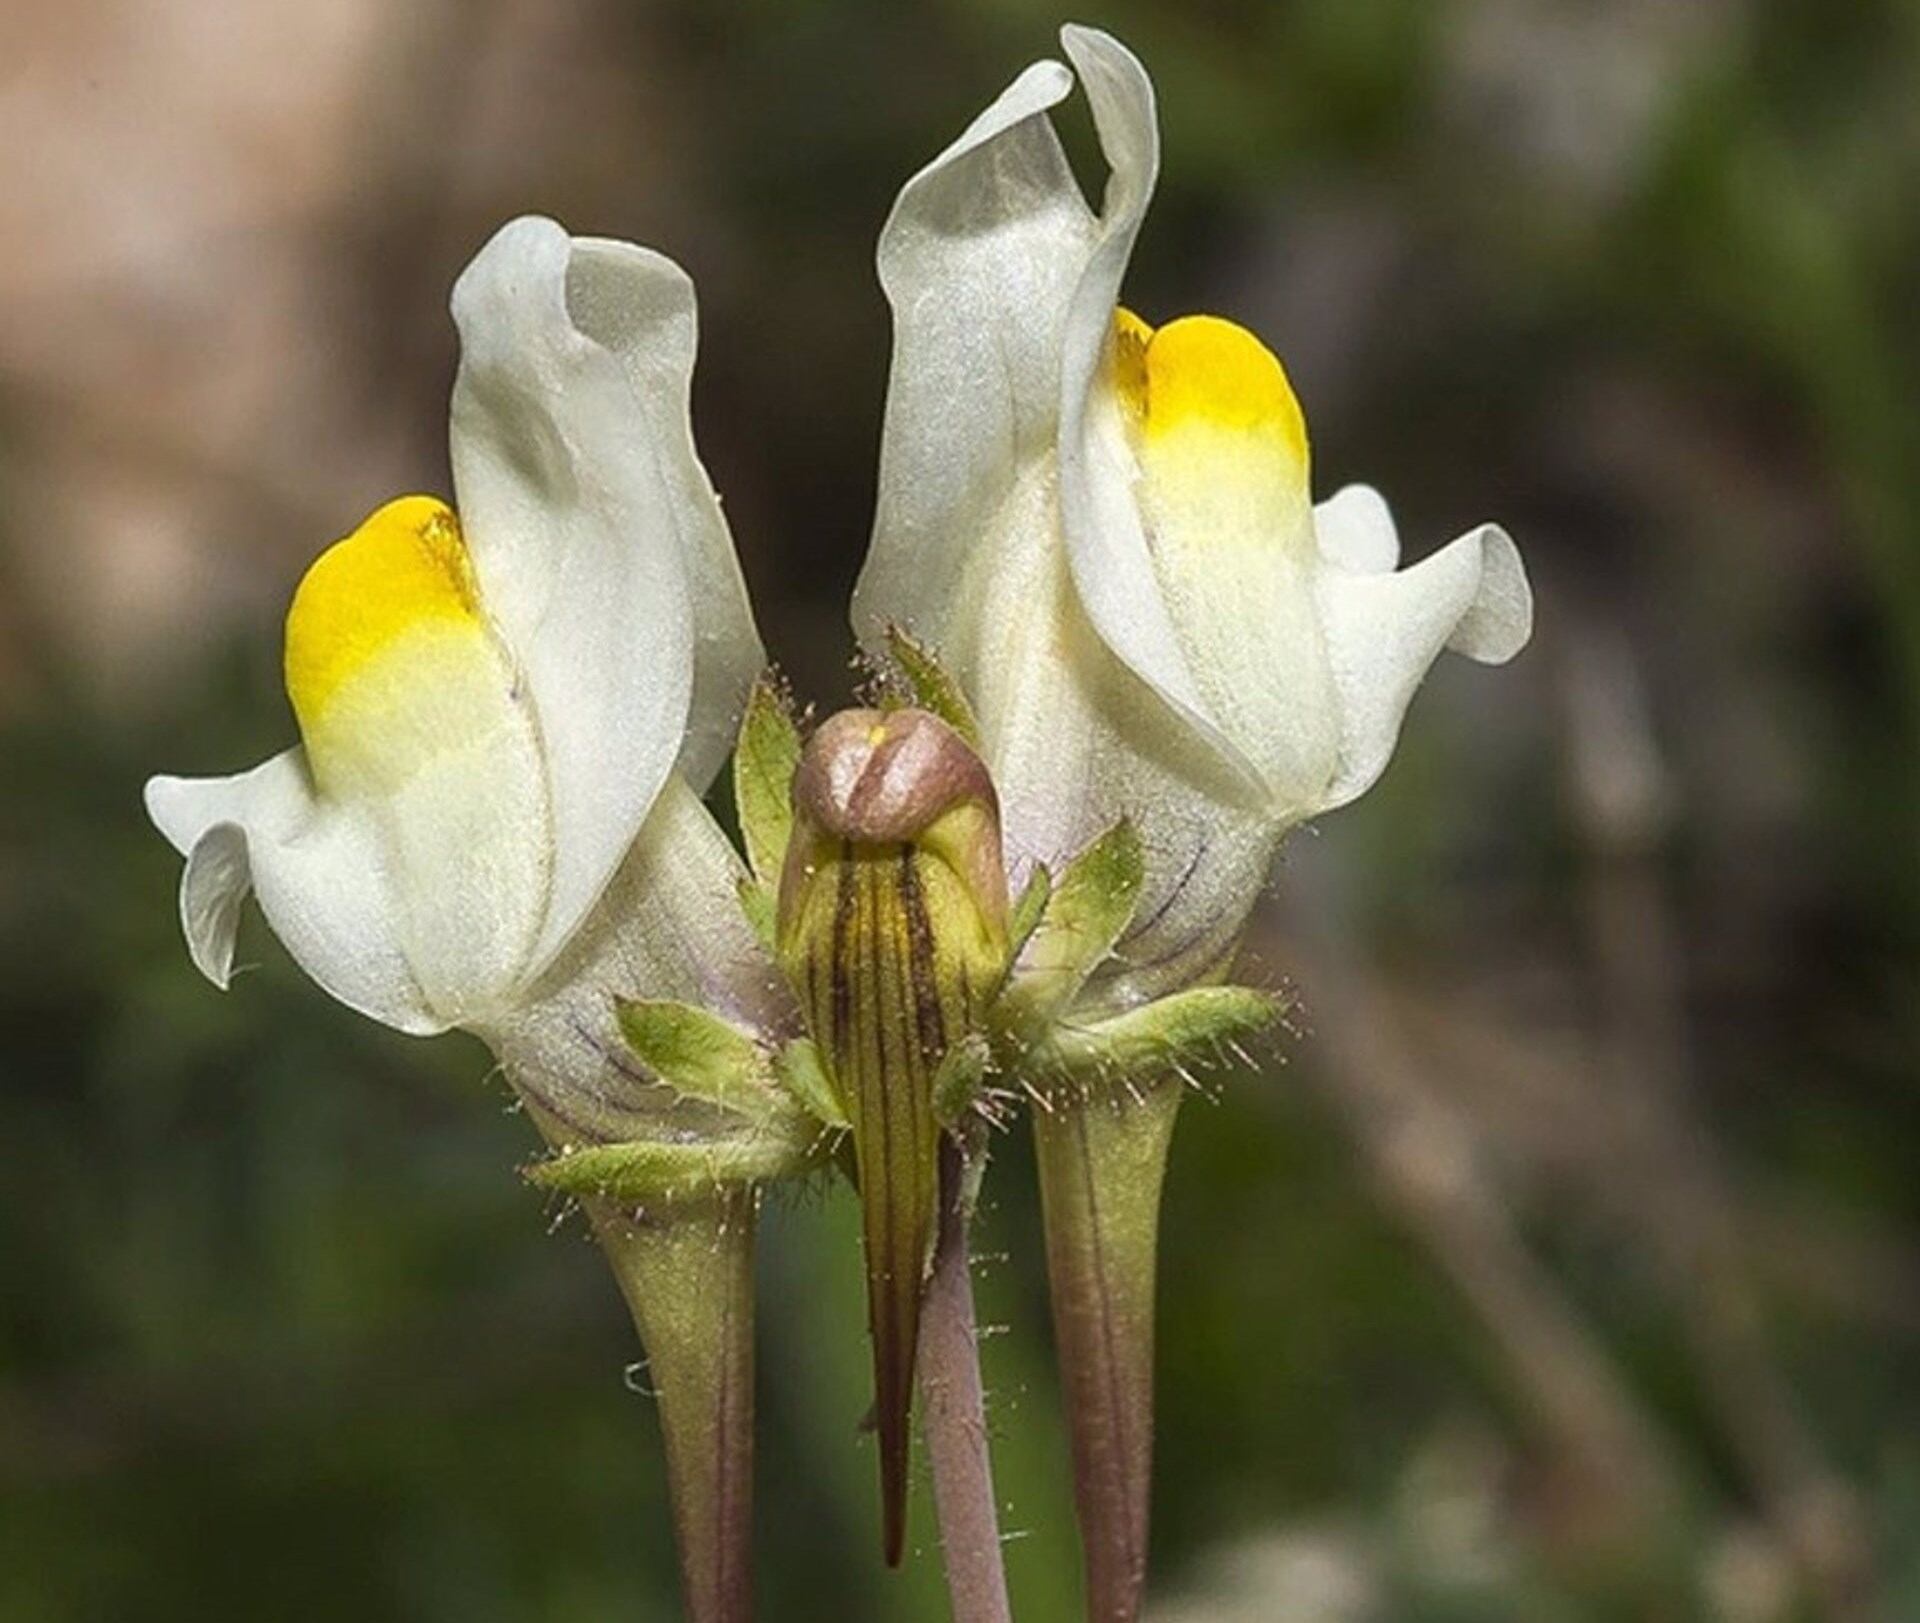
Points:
(1562, 1263)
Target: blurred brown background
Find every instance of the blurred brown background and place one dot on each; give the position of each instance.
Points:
(1564, 1263)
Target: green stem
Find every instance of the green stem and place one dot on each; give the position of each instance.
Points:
(687, 1275)
(1102, 1160)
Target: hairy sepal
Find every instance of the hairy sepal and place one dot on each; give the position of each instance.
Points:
(804, 1074)
(763, 763)
(1029, 909)
(1186, 1031)
(702, 1056)
(757, 902)
(650, 1173)
(958, 1081)
(932, 687)
(1088, 910)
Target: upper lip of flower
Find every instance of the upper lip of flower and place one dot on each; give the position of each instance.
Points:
(601, 563)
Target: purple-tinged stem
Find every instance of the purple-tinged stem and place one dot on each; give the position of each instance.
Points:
(687, 1275)
(1102, 1161)
(953, 1412)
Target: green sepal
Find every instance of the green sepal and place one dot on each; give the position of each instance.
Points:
(1090, 906)
(957, 1080)
(1189, 1028)
(759, 903)
(763, 763)
(649, 1172)
(800, 1067)
(701, 1056)
(1028, 909)
(933, 689)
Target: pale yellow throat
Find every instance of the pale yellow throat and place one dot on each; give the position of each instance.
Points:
(1220, 446)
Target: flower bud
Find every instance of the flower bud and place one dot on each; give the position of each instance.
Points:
(892, 929)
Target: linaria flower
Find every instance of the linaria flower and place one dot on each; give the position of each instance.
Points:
(1106, 532)
(491, 704)
(508, 710)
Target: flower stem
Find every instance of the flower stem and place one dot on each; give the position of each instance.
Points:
(687, 1275)
(1102, 1160)
(953, 1409)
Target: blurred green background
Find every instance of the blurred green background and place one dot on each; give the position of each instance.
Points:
(1562, 1263)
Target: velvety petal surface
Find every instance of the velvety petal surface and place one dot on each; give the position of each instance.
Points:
(985, 251)
(1384, 630)
(586, 518)
(317, 870)
(1355, 530)
(640, 305)
(978, 259)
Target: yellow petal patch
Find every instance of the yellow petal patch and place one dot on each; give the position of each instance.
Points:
(386, 648)
(1203, 371)
(404, 566)
(1219, 435)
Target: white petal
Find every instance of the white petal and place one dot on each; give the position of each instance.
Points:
(1384, 630)
(978, 259)
(582, 514)
(317, 871)
(640, 305)
(213, 886)
(984, 251)
(1355, 529)
(669, 926)
(1112, 567)
(467, 840)
(1078, 741)
(1500, 621)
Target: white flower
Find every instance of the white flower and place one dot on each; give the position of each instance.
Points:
(493, 707)
(1106, 532)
